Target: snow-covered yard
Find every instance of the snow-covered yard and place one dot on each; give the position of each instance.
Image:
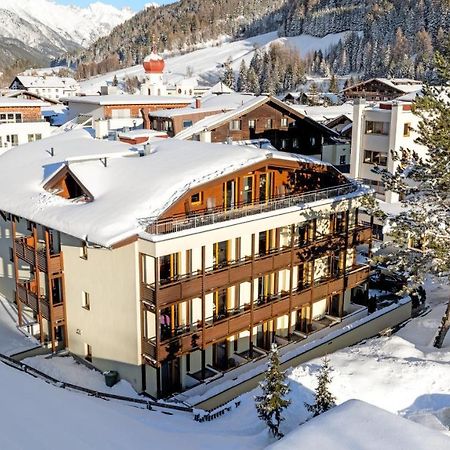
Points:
(402, 374)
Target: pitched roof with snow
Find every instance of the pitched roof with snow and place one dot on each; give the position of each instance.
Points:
(212, 122)
(359, 425)
(125, 99)
(47, 82)
(404, 85)
(325, 113)
(126, 191)
(211, 102)
(12, 102)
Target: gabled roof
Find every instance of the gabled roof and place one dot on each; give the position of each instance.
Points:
(213, 122)
(402, 85)
(208, 103)
(47, 82)
(126, 189)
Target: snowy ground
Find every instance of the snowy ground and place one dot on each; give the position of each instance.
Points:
(12, 339)
(206, 62)
(402, 374)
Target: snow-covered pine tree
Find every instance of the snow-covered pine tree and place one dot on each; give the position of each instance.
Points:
(333, 84)
(241, 83)
(271, 403)
(424, 185)
(252, 81)
(228, 74)
(323, 399)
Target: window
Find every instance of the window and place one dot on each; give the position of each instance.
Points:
(284, 122)
(252, 123)
(12, 139)
(34, 137)
(187, 123)
(342, 160)
(247, 195)
(167, 125)
(406, 129)
(85, 300)
(197, 198)
(235, 125)
(120, 113)
(377, 186)
(11, 254)
(84, 250)
(87, 352)
(269, 124)
(221, 253)
(169, 267)
(378, 158)
(11, 118)
(284, 143)
(377, 127)
(295, 143)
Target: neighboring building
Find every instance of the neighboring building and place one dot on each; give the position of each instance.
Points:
(377, 131)
(264, 117)
(173, 121)
(121, 110)
(382, 89)
(21, 121)
(176, 263)
(51, 87)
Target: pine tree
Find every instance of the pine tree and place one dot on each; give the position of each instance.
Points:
(252, 81)
(333, 84)
(242, 83)
(228, 74)
(425, 187)
(323, 399)
(271, 403)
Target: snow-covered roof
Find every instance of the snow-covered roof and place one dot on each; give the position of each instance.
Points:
(360, 425)
(140, 133)
(47, 82)
(402, 84)
(127, 191)
(11, 102)
(325, 113)
(125, 99)
(210, 102)
(216, 120)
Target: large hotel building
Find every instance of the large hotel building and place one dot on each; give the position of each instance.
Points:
(175, 261)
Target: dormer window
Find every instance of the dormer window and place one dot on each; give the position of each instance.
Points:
(66, 185)
(197, 198)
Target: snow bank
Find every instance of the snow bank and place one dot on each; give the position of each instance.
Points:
(359, 425)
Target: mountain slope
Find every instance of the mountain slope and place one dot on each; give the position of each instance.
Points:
(42, 29)
(390, 37)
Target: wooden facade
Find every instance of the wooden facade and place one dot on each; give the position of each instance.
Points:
(44, 292)
(374, 90)
(262, 182)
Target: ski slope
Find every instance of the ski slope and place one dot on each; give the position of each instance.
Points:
(206, 62)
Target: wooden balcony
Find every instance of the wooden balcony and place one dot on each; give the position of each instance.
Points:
(190, 286)
(219, 330)
(26, 293)
(25, 250)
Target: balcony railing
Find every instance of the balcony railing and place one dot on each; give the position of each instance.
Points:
(190, 285)
(25, 251)
(216, 215)
(188, 337)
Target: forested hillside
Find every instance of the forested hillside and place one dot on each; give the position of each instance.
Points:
(389, 37)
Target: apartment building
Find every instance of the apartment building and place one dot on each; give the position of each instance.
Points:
(180, 261)
(382, 89)
(51, 87)
(21, 121)
(378, 130)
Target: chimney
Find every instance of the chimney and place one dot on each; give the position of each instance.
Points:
(146, 119)
(148, 149)
(198, 103)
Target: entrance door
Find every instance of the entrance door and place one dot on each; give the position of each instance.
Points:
(335, 305)
(170, 377)
(220, 355)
